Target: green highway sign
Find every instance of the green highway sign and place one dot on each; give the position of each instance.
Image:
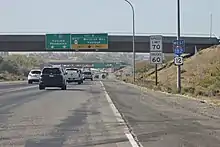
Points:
(58, 41)
(89, 41)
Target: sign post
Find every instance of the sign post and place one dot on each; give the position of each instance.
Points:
(89, 41)
(156, 52)
(57, 41)
(178, 49)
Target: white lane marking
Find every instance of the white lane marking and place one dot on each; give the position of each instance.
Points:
(119, 118)
(16, 89)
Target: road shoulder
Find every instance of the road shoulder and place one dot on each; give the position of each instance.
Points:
(203, 106)
(160, 120)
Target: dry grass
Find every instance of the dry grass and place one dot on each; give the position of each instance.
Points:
(143, 66)
(200, 75)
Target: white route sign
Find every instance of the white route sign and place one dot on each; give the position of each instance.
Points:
(178, 60)
(156, 43)
(156, 57)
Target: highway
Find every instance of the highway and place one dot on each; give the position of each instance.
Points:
(87, 116)
(7, 85)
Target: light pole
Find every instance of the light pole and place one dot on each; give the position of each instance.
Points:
(210, 25)
(133, 40)
(178, 38)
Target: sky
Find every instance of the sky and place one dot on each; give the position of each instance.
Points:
(109, 16)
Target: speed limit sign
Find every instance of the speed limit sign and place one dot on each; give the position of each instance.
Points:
(156, 44)
(156, 57)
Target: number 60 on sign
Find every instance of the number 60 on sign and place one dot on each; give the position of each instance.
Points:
(156, 57)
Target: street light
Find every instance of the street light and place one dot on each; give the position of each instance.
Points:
(178, 38)
(210, 25)
(133, 42)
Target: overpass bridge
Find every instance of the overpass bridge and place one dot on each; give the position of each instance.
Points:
(87, 64)
(116, 43)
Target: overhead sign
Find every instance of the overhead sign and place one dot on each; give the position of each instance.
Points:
(78, 65)
(156, 57)
(178, 47)
(156, 43)
(57, 41)
(178, 60)
(89, 41)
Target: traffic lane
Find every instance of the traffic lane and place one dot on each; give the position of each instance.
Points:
(12, 99)
(158, 122)
(14, 85)
(78, 116)
(12, 90)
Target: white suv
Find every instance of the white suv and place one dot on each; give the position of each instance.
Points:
(34, 76)
(74, 75)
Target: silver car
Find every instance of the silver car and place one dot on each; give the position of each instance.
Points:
(87, 75)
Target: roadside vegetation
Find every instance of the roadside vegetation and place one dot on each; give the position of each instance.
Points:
(200, 75)
(16, 67)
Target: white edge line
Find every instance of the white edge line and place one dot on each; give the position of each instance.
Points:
(119, 118)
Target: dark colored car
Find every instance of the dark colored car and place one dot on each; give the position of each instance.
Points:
(52, 77)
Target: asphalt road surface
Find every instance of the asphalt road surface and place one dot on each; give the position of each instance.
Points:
(16, 84)
(77, 117)
(85, 116)
(160, 120)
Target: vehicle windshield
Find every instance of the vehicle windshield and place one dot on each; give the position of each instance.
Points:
(36, 72)
(87, 73)
(51, 71)
(72, 69)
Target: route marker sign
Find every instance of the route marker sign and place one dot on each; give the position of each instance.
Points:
(178, 60)
(58, 41)
(156, 57)
(156, 44)
(89, 41)
(178, 47)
